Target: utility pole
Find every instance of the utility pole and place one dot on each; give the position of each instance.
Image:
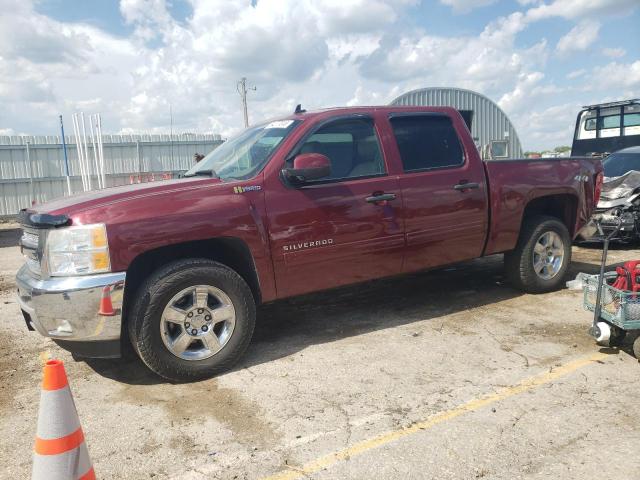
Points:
(242, 90)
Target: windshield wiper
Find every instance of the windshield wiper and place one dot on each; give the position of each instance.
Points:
(208, 172)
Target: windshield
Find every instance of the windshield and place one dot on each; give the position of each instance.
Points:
(618, 164)
(242, 156)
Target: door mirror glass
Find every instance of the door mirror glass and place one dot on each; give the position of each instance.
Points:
(306, 167)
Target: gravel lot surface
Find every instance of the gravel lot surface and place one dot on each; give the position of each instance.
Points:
(332, 381)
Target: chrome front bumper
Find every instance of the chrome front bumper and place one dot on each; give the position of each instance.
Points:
(75, 309)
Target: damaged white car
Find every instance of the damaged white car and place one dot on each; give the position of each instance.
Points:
(620, 194)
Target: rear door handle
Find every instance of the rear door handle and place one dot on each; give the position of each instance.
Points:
(381, 197)
(466, 186)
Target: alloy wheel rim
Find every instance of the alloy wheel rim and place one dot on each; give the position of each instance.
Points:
(197, 322)
(548, 255)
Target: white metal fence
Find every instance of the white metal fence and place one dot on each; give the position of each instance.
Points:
(32, 168)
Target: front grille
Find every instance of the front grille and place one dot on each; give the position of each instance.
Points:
(32, 246)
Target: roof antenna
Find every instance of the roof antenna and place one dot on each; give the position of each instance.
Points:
(299, 109)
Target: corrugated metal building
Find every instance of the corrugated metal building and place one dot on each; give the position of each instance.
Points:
(491, 129)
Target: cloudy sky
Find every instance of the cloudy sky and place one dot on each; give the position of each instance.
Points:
(130, 60)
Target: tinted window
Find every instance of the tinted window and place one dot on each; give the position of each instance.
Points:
(351, 145)
(428, 141)
(590, 124)
(612, 121)
(632, 119)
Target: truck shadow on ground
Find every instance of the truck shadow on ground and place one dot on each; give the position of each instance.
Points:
(286, 327)
(589, 268)
(289, 326)
(9, 237)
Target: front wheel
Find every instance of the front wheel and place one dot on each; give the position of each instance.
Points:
(541, 257)
(193, 319)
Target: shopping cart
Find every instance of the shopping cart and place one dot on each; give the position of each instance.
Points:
(615, 312)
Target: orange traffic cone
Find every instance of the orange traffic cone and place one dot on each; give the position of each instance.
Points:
(60, 452)
(106, 307)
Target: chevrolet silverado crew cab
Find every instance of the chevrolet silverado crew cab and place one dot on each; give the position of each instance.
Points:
(305, 203)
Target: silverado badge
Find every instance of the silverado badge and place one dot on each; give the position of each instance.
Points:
(303, 245)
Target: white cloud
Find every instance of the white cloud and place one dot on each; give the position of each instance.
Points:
(579, 38)
(510, 101)
(488, 62)
(547, 127)
(576, 73)
(48, 67)
(278, 44)
(571, 9)
(614, 52)
(315, 52)
(527, 92)
(465, 6)
(38, 38)
(622, 76)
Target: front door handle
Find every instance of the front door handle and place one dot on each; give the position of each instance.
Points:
(466, 185)
(381, 197)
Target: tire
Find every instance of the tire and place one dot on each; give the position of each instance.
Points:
(519, 263)
(150, 332)
(636, 348)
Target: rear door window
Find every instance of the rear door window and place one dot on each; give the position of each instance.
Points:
(427, 142)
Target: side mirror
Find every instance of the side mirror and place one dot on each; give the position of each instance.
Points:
(308, 166)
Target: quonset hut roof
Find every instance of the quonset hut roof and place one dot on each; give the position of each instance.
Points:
(490, 127)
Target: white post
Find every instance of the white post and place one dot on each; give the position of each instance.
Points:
(95, 151)
(66, 157)
(86, 152)
(30, 168)
(76, 132)
(83, 166)
(101, 150)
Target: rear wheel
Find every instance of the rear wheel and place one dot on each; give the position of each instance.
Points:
(541, 257)
(193, 319)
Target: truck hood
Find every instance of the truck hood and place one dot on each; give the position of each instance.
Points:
(84, 201)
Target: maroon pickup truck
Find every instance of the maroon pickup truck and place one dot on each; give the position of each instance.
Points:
(305, 203)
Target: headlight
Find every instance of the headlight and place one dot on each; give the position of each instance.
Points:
(79, 250)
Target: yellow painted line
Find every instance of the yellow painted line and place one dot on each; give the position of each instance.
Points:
(471, 406)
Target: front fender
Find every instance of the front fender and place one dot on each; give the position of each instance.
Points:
(211, 211)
